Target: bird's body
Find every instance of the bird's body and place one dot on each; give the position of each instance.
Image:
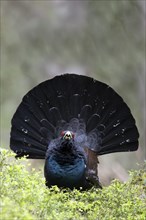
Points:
(69, 121)
(65, 165)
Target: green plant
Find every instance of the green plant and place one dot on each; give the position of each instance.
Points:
(24, 196)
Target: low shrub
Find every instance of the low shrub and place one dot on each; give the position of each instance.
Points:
(24, 196)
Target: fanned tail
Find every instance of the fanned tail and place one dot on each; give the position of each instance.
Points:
(97, 115)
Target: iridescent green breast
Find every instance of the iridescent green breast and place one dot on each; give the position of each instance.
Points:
(71, 175)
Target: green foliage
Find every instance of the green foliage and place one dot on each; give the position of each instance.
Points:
(25, 196)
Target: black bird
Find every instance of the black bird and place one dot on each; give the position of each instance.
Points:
(69, 121)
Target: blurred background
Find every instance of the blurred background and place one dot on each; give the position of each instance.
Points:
(101, 39)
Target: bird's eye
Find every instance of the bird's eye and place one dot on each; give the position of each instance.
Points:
(62, 133)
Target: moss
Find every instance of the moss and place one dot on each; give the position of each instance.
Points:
(24, 196)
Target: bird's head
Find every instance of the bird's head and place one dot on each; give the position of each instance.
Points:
(67, 141)
(67, 135)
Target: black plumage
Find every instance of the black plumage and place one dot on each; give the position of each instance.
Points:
(69, 121)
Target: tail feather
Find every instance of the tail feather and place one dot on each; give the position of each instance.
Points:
(75, 102)
(25, 115)
(85, 113)
(48, 125)
(119, 138)
(29, 150)
(92, 122)
(21, 136)
(54, 115)
(61, 101)
(23, 129)
(99, 117)
(132, 146)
